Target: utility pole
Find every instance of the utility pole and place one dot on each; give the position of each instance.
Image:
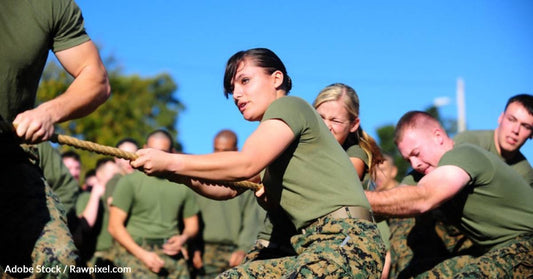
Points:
(461, 113)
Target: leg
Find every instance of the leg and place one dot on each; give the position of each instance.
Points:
(339, 248)
(264, 269)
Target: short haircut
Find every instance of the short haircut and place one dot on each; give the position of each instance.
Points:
(89, 173)
(71, 154)
(102, 161)
(162, 132)
(412, 120)
(124, 140)
(525, 100)
(229, 134)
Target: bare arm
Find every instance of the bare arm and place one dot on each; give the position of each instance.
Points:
(359, 166)
(433, 189)
(89, 89)
(90, 213)
(267, 142)
(116, 228)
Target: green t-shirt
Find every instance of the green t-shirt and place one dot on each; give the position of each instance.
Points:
(231, 222)
(485, 139)
(29, 29)
(314, 175)
(58, 176)
(154, 205)
(496, 204)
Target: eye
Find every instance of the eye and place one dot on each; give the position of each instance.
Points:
(245, 80)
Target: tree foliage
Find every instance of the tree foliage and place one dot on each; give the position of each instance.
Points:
(136, 107)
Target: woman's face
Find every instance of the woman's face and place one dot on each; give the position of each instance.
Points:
(337, 119)
(254, 89)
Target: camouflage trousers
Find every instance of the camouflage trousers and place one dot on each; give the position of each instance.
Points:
(174, 267)
(265, 250)
(34, 233)
(329, 248)
(514, 259)
(215, 259)
(418, 244)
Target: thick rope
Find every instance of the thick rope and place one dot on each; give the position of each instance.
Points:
(115, 152)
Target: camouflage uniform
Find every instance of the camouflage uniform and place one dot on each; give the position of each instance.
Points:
(216, 258)
(35, 232)
(513, 260)
(328, 248)
(174, 267)
(418, 244)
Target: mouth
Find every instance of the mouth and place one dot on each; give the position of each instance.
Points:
(511, 141)
(241, 106)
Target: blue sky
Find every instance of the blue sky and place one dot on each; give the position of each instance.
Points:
(398, 55)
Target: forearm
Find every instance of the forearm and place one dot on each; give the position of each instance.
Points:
(121, 235)
(209, 190)
(191, 228)
(88, 91)
(400, 201)
(91, 210)
(220, 166)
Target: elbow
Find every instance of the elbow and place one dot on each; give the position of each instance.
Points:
(249, 171)
(105, 91)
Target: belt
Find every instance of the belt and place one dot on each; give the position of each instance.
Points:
(355, 212)
(151, 241)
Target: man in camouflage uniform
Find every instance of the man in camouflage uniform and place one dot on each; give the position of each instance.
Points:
(144, 219)
(463, 180)
(410, 255)
(33, 226)
(228, 228)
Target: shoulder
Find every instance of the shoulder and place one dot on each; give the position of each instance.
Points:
(474, 136)
(286, 102)
(356, 151)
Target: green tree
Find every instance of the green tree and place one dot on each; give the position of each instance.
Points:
(137, 106)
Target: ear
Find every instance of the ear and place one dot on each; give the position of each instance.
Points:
(500, 118)
(277, 77)
(354, 125)
(439, 136)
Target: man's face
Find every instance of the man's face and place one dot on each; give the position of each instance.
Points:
(73, 167)
(224, 144)
(419, 147)
(124, 164)
(515, 127)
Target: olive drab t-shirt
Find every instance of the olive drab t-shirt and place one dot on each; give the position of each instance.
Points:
(35, 27)
(485, 139)
(314, 175)
(496, 204)
(232, 222)
(153, 205)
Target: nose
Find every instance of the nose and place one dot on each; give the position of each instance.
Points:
(515, 128)
(415, 163)
(237, 92)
